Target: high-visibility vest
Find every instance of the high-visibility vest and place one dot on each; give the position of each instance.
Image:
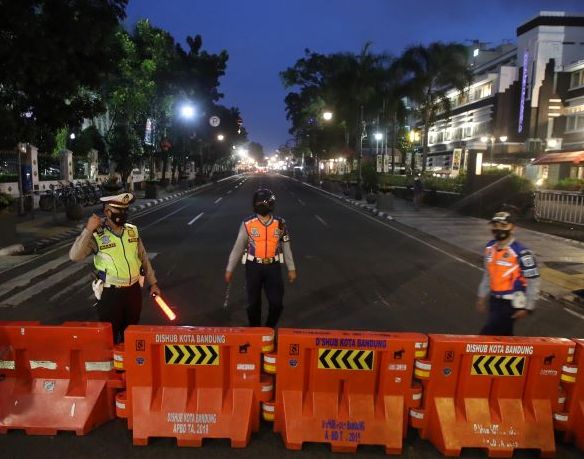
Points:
(264, 239)
(509, 267)
(117, 260)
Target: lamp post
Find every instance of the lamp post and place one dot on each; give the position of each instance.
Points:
(220, 137)
(378, 136)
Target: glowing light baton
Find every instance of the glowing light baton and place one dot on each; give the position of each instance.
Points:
(165, 308)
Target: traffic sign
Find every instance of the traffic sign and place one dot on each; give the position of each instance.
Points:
(215, 121)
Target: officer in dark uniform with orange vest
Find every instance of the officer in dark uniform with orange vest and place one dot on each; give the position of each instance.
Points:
(510, 285)
(264, 242)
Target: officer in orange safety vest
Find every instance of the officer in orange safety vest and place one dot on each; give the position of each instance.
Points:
(264, 242)
(510, 284)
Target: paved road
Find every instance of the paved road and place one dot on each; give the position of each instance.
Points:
(355, 272)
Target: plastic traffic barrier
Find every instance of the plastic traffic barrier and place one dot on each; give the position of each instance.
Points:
(344, 388)
(56, 378)
(192, 383)
(497, 393)
(571, 419)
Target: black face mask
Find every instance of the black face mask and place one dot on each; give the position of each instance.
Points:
(501, 235)
(119, 218)
(262, 208)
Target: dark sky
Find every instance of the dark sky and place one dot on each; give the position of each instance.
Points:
(264, 37)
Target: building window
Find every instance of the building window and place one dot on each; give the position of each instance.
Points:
(577, 79)
(575, 123)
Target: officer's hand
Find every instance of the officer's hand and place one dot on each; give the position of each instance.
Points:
(228, 276)
(93, 223)
(520, 314)
(291, 276)
(482, 304)
(154, 290)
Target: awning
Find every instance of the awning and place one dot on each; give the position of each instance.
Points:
(574, 157)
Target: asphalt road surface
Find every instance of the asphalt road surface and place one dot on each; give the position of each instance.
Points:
(354, 272)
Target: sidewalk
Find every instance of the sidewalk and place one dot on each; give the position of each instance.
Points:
(43, 228)
(561, 260)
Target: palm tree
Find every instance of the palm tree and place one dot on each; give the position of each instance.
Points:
(429, 73)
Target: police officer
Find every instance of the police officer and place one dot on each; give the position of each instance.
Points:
(264, 241)
(120, 261)
(510, 284)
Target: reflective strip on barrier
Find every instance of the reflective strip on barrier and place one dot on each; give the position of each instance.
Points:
(421, 350)
(7, 365)
(270, 363)
(267, 388)
(417, 396)
(422, 369)
(99, 366)
(567, 372)
(118, 357)
(120, 405)
(562, 400)
(571, 353)
(561, 417)
(417, 414)
(270, 340)
(45, 364)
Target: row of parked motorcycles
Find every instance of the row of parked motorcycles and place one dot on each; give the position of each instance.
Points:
(70, 195)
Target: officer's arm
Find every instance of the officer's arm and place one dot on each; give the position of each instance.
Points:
(83, 246)
(485, 285)
(287, 248)
(238, 248)
(146, 266)
(531, 273)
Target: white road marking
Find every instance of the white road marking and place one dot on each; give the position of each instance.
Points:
(373, 219)
(196, 218)
(230, 191)
(165, 216)
(574, 313)
(43, 285)
(218, 200)
(24, 279)
(85, 280)
(302, 203)
(322, 221)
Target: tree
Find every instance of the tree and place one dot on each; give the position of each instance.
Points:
(429, 73)
(55, 56)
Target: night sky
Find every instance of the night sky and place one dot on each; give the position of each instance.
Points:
(264, 37)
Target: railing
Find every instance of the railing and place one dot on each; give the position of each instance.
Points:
(9, 166)
(559, 206)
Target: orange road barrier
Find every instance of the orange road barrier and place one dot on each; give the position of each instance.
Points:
(344, 388)
(497, 393)
(56, 378)
(571, 419)
(192, 383)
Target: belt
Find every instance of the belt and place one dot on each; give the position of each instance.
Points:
(264, 261)
(507, 296)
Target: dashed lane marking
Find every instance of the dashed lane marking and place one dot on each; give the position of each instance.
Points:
(320, 219)
(196, 218)
(218, 200)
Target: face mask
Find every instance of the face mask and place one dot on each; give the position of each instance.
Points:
(501, 235)
(119, 218)
(262, 209)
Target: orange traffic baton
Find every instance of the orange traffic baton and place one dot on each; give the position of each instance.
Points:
(571, 419)
(496, 393)
(56, 378)
(192, 383)
(344, 388)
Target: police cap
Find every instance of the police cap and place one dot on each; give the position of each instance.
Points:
(119, 201)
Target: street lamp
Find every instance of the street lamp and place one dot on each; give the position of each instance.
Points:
(220, 137)
(187, 111)
(491, 140)
(378, 136)
(327, 116)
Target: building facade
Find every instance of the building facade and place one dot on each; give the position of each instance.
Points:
(524, 110)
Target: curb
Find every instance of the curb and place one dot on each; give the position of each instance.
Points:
(32, 247)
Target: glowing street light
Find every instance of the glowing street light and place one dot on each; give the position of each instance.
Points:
(378, 136)
(187, 111)
(327, 116)
(72, 136)
(220, 137)
(503, 138)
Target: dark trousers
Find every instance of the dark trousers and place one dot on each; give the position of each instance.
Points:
(270, 278)
(500, 321)
(121, 307)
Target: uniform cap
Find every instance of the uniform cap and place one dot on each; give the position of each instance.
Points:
(503, 217)
(120, 201)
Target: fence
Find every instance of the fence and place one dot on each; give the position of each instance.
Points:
(8, 166)
(559, 206)
(49, 167)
